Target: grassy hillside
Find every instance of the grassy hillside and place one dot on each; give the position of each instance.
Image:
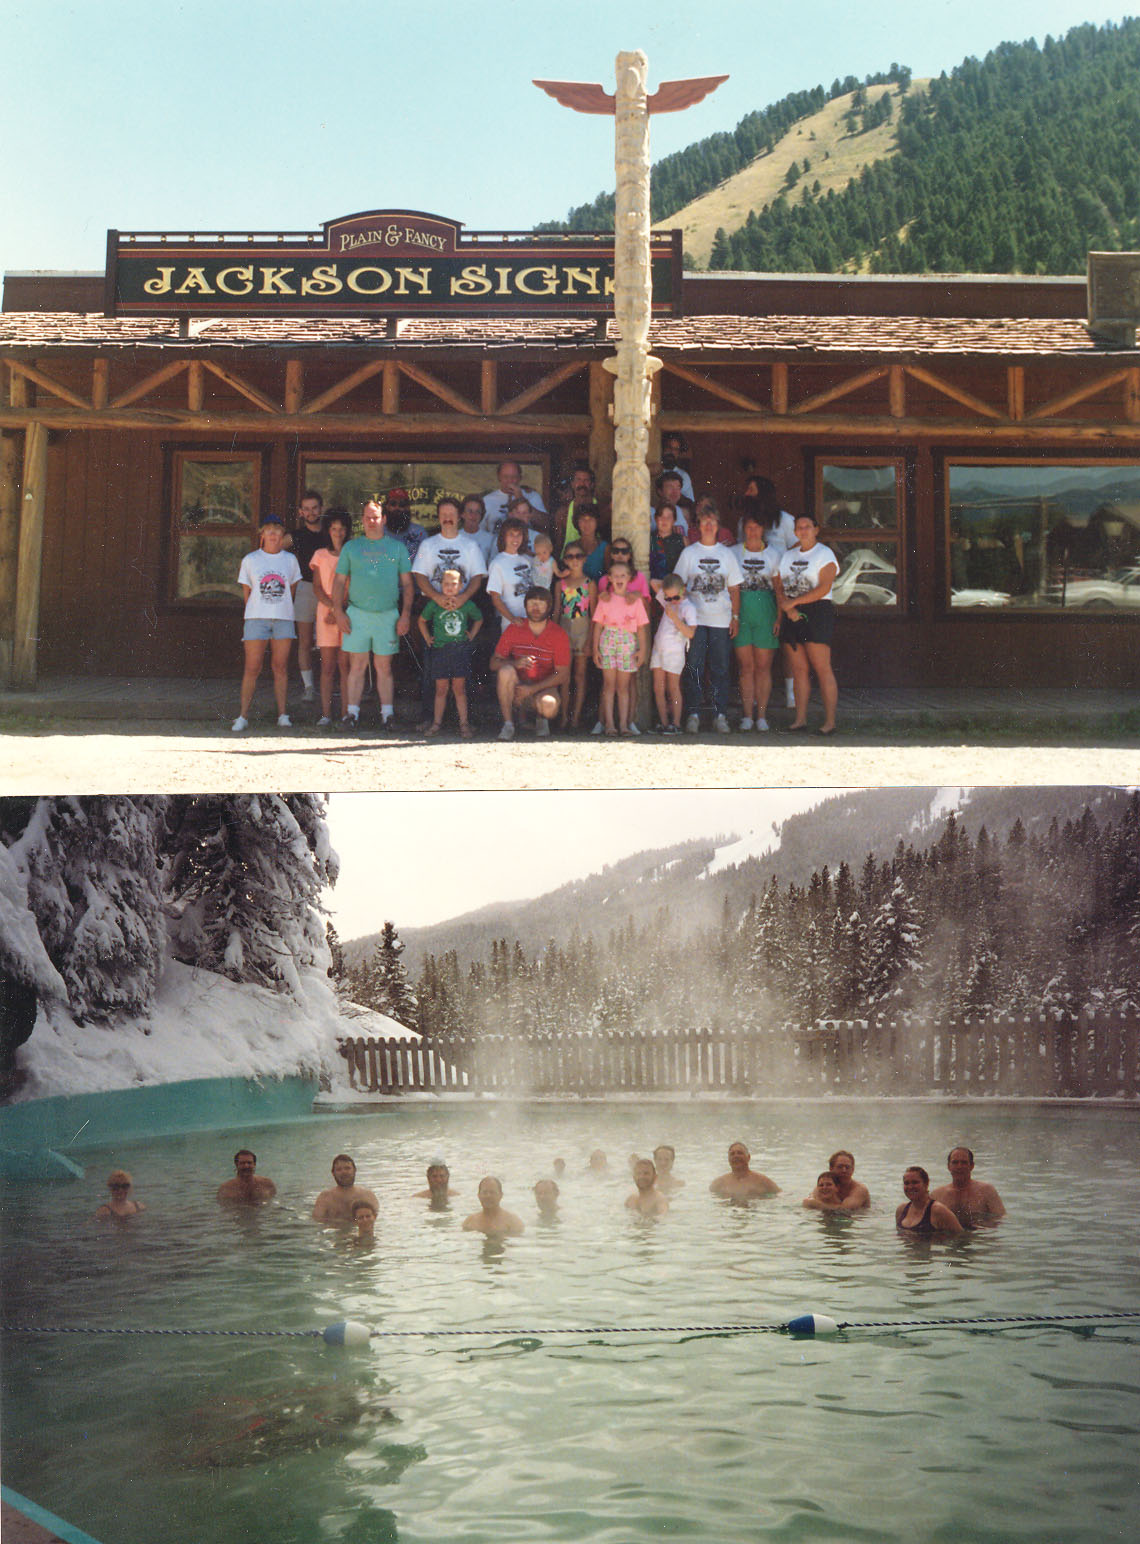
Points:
(833, 151)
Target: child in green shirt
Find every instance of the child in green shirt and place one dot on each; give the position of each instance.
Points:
(448, 634)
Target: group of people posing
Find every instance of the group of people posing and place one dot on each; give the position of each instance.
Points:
(963, 1204)
(506, 590)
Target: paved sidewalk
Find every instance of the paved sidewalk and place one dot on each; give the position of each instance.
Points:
(1043, 714)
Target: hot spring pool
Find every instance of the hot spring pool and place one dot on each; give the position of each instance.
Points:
(940, 1435)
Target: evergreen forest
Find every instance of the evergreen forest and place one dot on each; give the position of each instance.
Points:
(1023, 161)
(963, 927)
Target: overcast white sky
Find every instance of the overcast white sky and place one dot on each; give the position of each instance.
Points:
(419, 858)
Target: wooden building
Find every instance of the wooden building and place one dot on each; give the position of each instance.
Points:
(971, 445)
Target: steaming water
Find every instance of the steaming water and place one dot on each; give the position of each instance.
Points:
(940, 1435)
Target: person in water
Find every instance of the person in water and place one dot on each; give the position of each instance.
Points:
(121, 1205)
(663, 1158)
(546, 1198)
(742, 1182)
(439, 1191)
(493, 1220)
(825, 1197)
(364, 1220)
(853, 1195)
(335, 1204)
(247, 1188)
(647, 1200)
(971, 1200)
(920, 1214)
(597, 1163)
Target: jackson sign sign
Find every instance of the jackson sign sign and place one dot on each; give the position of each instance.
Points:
(383, 263)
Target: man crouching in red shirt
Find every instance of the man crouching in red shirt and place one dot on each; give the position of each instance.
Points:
(532, 665)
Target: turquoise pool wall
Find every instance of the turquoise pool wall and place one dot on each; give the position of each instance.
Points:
(36, 1136)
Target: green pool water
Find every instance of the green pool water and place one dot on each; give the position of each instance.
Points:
(942, 1435)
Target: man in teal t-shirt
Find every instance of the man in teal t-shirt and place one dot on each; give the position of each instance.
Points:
(375, 572)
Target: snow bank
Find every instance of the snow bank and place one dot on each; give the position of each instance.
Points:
(202, 1026)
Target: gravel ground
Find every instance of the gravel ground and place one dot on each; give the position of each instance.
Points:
(165, 758)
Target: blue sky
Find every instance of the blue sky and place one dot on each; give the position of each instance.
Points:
(243, 113)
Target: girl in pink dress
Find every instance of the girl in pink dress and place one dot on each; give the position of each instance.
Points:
(621, 646)
(322, 564)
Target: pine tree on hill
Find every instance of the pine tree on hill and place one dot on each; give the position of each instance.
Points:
(381, 983)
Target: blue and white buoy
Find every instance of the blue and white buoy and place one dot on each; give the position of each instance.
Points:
(811, 1324)
(348, 1332)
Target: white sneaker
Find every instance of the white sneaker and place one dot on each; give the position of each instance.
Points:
(507, 732)
(761, 724)
(720, 724)
(323, 723)
(542, 729)
(284, 721)
(239, 724)
(693, 723)
(745, 725)
(599, 728)
(632, 729)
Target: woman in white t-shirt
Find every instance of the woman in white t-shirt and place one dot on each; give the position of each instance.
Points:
(803, 587)
(269, 578)
(509, 576)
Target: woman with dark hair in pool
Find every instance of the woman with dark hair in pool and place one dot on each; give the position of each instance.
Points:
(919, 1214)
(803, 589)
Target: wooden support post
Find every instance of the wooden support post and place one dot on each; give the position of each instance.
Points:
(1132, 396)
(779, 388)
(897, 389)
(390, 389)
(294, 385)
(9, 547)
(653, 453)
(195, 386)
(30, 558)
(100, 382)
(489, 386)
(1015, 391)
(601, 443)
(20, 390)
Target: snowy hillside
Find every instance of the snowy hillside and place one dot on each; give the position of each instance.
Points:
(201, 1026)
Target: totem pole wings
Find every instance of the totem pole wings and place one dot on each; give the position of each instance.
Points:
(671, 96)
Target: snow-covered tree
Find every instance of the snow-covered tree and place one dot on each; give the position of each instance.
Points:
(245, 875)
(95, 892)
(381, 983)
(27, 975)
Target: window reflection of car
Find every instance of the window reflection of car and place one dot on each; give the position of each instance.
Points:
(866, 579)
(1119, 588)
(979, 598)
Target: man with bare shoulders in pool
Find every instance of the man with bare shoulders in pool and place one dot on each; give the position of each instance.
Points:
(335, 1204)
(493, 1220)
(439, 1191)
(971, 1200)
(663, 1158)
(853, 1195)
(742, 1182)
(247, 1188)
(647, 1200)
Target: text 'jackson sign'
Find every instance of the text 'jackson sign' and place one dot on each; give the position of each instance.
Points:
(384, 263)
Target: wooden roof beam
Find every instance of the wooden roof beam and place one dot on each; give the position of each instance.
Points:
(49, 383)
(149, 383)
(540, 389)
(242, 387)
(845, 388)
(343, 387)
(1070, 399)
(955, 393)
(446, 394)
(714, 388)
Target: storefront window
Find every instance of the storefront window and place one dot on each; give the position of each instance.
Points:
(348, 482)
(1046, 536)
(217, 499)
(859, 505)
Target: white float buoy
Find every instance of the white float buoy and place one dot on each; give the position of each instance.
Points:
(349, 1332)
(811, 1324)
